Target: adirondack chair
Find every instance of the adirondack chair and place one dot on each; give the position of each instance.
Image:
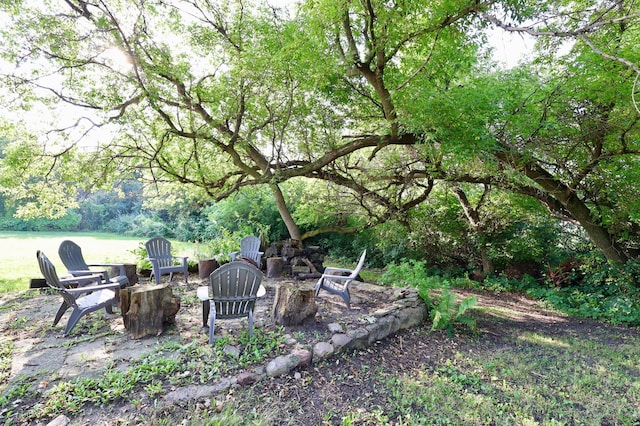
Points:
(232, 292)
(249, 249)
(337, 280)
(91, 293)
(71, 255)
(159, 252)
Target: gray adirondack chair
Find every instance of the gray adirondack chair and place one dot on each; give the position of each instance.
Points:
(233, 289)
(337, 280)
(91, 293)
(71, 255)
(163, 262)
(249, 249)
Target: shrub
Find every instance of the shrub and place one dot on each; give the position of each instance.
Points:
(445, 311)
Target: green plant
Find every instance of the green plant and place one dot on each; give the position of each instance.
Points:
(448, 312)
(141, 255)
(445, 311)
(154, 389)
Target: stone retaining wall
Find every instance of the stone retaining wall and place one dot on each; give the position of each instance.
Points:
(406, 310)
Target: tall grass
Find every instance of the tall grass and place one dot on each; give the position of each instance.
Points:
(18, 259)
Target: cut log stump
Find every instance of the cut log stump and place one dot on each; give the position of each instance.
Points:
(274, 267)
(146, 310)
(129, 270)
(293, 305)
(206, 267)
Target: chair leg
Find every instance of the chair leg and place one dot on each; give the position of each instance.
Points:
(63, 308)
(73, 320)
(212, 324)
(250, 323)
(206, 306)
(318, 286)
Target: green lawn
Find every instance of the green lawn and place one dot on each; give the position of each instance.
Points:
(18, 261)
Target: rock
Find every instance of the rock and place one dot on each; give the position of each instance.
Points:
(322, 350)
(61, 420)
(247, 378)
(305, 356)
(359, 337)
(232, 351)
(380, 329)
(340, 340)
(282, 365)
(335, 328)
(194, 392)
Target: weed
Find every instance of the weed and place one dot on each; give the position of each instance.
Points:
(6, 355)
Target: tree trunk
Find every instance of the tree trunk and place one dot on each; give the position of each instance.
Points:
(569, 200)
(473, 216)
(274, 267)
(292, 227)
(598, 234)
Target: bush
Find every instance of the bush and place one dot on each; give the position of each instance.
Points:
(445, 311)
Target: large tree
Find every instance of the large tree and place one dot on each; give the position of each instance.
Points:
(378, 98)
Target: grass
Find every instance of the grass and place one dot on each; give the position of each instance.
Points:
(523, 378)
(18, 261)
(541, 380)
(169, 365)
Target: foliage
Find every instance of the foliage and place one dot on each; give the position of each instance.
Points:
(445, 311)
(605, 292)
(141, 256)
(600, 290)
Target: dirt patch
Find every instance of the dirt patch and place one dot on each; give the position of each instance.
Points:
(99, 339)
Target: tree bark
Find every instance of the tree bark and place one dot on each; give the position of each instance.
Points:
(473, 216)
(147, 310)
(293, 305)
(567, 197)
(292, 227)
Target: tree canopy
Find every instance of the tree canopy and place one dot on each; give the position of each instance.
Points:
(381, 101)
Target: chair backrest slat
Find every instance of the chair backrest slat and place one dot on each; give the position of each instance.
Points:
(233, 288)
(71, 255)
(356, 271)
(250, 248)
(160, 249)
(51, 277)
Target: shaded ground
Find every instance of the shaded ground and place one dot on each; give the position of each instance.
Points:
(322, 394)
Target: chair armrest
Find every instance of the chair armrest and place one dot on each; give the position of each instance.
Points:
(183, 259)
(84, 272)
(112, 265)
(331, 270)
(337, 277)
(154, 261)
(83, 279)
(91, 288)
(233, 255)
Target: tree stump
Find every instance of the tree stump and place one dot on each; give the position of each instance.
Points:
(146, 310)
(206, 267)
(293, 305)
(274, 267)
(129, 271)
